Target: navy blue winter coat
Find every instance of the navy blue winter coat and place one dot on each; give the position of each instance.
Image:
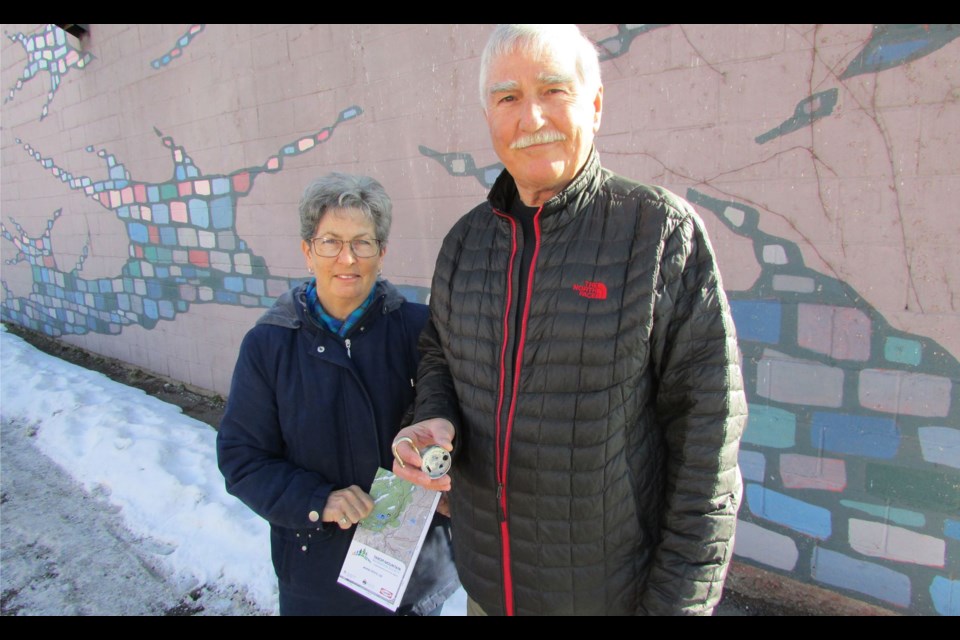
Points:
(310, 413)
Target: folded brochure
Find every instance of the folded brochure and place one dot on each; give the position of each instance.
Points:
(386, 543)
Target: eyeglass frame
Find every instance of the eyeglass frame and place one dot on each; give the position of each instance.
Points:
(376, 242)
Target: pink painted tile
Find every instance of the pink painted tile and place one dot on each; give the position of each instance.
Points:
(810, 472)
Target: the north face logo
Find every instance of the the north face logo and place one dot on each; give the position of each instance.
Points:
(592, 290)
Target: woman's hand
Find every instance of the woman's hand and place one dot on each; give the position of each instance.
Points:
(443, 507)
(347, 506)
(407, 462)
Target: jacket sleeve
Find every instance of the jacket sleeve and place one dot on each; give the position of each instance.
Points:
(250, 446)
(702, 410)
(436, 396)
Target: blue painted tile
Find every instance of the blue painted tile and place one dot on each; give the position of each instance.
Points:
(150, 309)
(753, 465)
(854, 434)
(951, 528)
(219, 186)
(166, 309)
(199, 213)
(940, 445)
(946, 596)
(221, 213)
(757, 321)
(138, 232)
(800, 516)
(168, 236)
(160, 213)
(864, 577)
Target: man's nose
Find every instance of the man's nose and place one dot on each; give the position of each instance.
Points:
(531, 118)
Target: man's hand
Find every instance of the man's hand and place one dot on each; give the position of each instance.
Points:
(433, 431)
(347, 506)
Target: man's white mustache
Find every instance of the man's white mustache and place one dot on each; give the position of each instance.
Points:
(541, 137)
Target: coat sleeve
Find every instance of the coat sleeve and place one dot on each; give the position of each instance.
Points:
(702, 410)
(251, 450)
(436, 394)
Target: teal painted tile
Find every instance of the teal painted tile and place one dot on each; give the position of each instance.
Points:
(888, 513)
(903, 351)
(770, 427)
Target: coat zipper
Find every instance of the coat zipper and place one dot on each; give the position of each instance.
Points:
(346, 343)
(502, 457)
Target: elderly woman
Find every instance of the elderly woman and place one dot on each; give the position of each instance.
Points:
(321, 386)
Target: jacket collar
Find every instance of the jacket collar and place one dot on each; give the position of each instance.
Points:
(290, 309)
(570, 200)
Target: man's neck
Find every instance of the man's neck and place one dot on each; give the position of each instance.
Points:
(537, 197)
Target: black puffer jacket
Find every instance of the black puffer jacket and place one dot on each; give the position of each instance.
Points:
(596, 473)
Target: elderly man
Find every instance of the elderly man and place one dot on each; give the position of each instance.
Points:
(581, 362)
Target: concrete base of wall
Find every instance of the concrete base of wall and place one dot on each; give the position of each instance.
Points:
(797, 596)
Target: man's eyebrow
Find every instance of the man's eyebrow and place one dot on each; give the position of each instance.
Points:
(506, 85)
(555, 78)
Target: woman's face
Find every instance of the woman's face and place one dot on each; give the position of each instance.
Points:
(344, 281)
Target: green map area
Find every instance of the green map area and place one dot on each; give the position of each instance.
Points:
(391, 497)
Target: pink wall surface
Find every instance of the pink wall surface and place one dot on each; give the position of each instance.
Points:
(150, 175)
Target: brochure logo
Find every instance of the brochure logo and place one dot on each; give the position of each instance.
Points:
(361, 553)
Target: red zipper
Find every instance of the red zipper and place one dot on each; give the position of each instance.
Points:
(503, 458)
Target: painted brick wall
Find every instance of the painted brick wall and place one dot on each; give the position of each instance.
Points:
(150, 175)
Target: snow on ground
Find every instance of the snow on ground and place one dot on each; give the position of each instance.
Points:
(149, 483)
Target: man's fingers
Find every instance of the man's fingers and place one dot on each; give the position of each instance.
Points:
(418, 477)
(405, 451)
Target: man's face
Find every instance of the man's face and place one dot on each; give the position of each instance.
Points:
(542, 120)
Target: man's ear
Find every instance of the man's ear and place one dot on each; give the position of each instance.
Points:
(597, 109)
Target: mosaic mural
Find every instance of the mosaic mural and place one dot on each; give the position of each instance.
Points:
(852, 442)
(462, 164)
(177, 49)
(49, 51)
(619, 44)
(891, 45)
(184, 247)
(852, 454)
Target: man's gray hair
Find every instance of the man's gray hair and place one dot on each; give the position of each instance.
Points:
(345, 191)
(538, 39)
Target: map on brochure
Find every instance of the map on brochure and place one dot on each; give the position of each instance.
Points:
(386, 543)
